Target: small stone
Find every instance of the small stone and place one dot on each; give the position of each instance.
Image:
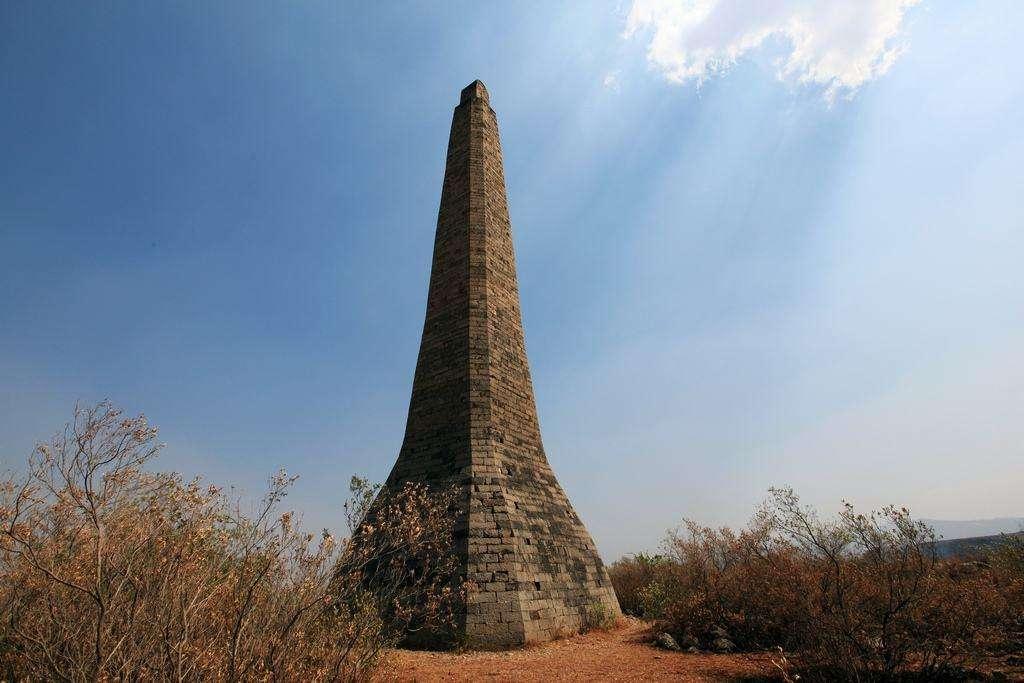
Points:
(689, 641)
(718, 632)
(666, 642)
(723, 645)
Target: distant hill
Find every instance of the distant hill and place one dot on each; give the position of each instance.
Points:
(963, 537)
(966, 546)
(952, 529)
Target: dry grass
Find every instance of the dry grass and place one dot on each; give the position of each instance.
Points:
(861, 597)
(110, 571)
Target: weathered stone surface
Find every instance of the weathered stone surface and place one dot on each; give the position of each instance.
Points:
(687, 641)
(723, 645)
(666, 642)
(473, 421)
(717, 632)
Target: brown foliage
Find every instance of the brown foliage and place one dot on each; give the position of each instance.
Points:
(860, 597)
(639, 583)
(110, 571)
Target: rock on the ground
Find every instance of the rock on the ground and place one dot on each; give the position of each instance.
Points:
(723, 645)
(687, 642)
(667, 642)
(718, 632)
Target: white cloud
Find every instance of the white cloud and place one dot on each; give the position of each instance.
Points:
(611, 80)
(836, 44)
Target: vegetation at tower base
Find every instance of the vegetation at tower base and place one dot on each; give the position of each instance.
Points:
(110, 571)
(861, 597)
(400, 555)
(531, 568)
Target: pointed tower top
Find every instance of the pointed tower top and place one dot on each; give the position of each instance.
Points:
(473, 423)
(474, 90)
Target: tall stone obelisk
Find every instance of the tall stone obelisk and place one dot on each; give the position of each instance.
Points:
(473, 422)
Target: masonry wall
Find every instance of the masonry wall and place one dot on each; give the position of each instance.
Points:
(472, 422)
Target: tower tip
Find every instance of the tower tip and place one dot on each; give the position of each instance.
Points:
(474, 90)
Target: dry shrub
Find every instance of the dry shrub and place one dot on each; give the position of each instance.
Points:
(733, 581)
(1007, 562)
(110, 571)
(639, 581)
(860, 597)
(996, 576)
(400, 553)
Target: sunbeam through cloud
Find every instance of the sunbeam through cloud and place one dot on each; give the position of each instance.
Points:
(836, 45)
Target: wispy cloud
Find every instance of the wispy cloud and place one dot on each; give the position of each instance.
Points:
(838, 45)
(611, 80)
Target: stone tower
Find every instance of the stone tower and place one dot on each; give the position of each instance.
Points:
(473, 422)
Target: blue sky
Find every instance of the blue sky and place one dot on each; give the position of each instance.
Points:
(748, 255)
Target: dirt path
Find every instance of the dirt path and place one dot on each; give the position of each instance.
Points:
(620, 655)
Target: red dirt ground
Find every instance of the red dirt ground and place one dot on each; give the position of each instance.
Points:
(619, 655)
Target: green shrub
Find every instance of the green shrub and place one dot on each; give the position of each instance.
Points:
(598, 618)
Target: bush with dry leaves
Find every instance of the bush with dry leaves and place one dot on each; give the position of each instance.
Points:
(108, 570)
(858, 597)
